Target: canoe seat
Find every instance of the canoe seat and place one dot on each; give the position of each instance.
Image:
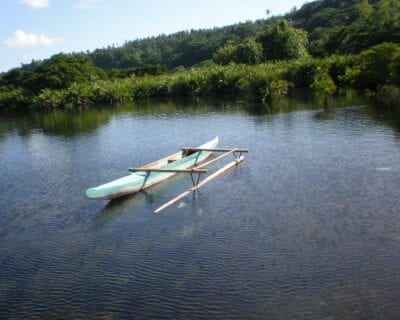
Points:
(172, 159)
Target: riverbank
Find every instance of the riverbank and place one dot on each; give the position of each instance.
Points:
(375, 71)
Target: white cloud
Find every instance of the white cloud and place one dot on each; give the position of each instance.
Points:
(37, 4)
(87, 4)
(22, 39)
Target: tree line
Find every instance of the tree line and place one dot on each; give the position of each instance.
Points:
(333, 27)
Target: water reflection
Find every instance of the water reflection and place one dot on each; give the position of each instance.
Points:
(121, 206)
(389, 114)
(328, 113)
(67, 123)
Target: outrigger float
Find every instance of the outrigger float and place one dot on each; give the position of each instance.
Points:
(188, 160)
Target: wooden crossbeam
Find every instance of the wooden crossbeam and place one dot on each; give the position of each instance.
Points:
(202, 183)
(194, 170)
(214, 149)
(216, 159)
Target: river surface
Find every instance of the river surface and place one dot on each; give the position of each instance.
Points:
(308, 227)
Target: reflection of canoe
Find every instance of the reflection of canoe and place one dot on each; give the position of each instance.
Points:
(140, 180)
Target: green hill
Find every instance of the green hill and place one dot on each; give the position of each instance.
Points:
(334, 27)
(342, 27)
(184, 48)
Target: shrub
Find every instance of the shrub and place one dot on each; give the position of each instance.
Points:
(374, 67)
(302, 72)
(281, 41)
(15, 99)
(248, 52)
(323, 84)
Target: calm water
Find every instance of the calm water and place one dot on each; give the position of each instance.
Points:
(307, 228)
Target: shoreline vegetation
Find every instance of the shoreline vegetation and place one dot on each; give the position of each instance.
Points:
(273, 59)
(260, 82)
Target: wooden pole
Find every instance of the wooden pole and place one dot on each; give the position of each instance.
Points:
(202, 183)
(194, 170)
(216, 159)
(214, 149)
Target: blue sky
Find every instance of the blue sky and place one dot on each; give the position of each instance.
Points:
(40, 28)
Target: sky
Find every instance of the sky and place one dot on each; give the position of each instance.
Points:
(37, 29)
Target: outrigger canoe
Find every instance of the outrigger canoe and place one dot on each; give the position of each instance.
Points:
(140, 180)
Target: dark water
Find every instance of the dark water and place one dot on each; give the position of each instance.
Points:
(306, 228)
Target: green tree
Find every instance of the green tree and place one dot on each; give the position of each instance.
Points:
(61, 71)
(225, 54)
(248, 52)
(14, 78)
(388, 15)
(281, 41)
(375, 67)
(395, 68)
(377, 22)
(323, 84)
(365, 10)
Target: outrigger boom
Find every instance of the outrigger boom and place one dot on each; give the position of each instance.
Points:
(238, 159)
(219, 172)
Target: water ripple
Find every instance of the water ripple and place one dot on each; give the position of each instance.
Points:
(306, 228)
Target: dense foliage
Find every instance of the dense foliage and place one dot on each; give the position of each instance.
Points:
(334, 27)
(59, 72)
(324, 45)
(181, 49)
(281, 41)
(247, 52)
(278, 41)
(261, 81)
(377, 67)
(351, 26)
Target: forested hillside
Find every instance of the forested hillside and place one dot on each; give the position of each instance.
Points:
(334, 27)
(184, 48)
(350, 26)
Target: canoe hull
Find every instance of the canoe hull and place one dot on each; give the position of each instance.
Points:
(141, 180)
